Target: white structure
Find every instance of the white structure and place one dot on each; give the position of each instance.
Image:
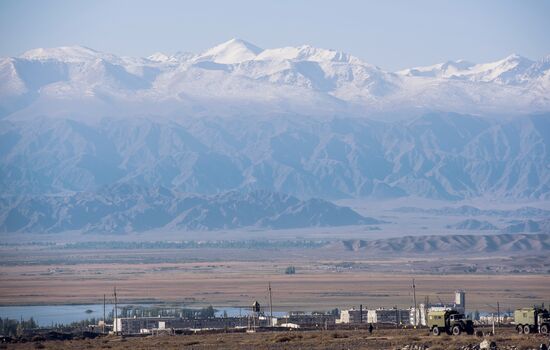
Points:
(351, 316)
(460, 301)
(395, 316)
(420, 316)
(489, 319)
(423, 309)
(290, 325)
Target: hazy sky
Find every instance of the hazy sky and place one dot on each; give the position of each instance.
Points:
(390, 34)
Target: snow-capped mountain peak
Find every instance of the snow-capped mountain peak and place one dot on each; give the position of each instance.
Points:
(508, 70)
(441, 70)
(307, 53)
(230, 77)
(178, 57)
(159, 57)
(231, 52)
(67, 54)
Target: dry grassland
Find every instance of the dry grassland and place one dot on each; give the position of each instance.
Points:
(352, 339)
(238, 283)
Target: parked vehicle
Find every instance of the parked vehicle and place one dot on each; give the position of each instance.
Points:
(531, 320)
(450, 322)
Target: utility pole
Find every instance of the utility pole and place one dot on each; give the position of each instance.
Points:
(116, 315)
(270, 303)
(498, 314)
(415, 308)
(104, 320)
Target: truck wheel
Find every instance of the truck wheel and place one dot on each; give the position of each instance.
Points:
(519, 329)
(436, 331)
(456, 330)
(544, 329)
(526, 329)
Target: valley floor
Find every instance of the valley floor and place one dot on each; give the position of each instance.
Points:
(223, 277)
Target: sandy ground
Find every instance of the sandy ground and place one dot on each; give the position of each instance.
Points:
(351, 339)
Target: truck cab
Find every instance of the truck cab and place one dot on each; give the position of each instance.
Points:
(456, 317)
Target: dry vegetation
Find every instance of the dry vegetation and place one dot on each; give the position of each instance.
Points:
(316, 285)
(341, 339)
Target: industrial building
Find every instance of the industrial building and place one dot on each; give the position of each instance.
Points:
(380, 315)
(393, 316)
(303, 320)
(419, 314)
(137, 325)
(352, 316)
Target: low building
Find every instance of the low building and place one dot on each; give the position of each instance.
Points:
(302, 320)
(352, 316)
(137, 325)
(392, 316)
(490, 319)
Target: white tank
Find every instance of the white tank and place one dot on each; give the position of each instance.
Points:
(460, 299)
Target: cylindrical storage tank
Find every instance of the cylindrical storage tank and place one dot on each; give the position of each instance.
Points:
(460, 299)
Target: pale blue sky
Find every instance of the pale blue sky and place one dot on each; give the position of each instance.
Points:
(390, 34)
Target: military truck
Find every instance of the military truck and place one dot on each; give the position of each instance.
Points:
(450, 322)
(532, 319)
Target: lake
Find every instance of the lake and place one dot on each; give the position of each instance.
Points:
(46, 315)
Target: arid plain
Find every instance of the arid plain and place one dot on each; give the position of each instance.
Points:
(236, 277)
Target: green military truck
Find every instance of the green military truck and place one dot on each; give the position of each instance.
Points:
(450, 322)
(532, 319)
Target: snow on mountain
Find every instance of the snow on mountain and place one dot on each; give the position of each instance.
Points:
(12, 84)
(70, 54)
(306, 53)
(440, 70)
(510, 70)
(230, 52)
(178, 57)
(507, 70)
(159, 57)
(237, 77)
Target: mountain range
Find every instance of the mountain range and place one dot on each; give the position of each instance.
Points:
(460, 244)
(473, 224)
(126, 208)
(439, 155)
(239, 78)
(468, 210)
(310, 122)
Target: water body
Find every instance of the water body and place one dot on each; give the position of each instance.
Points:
(46, 315)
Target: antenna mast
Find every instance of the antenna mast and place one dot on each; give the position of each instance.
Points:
(116, 315)
(104, 313)
(270, 302)
(415, 308)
